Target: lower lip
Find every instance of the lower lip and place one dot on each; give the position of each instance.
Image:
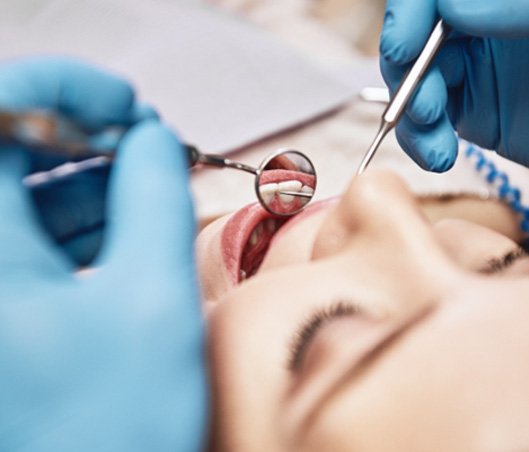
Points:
(235, 235)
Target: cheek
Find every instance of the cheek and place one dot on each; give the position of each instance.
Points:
(471, 245)
(294, 244)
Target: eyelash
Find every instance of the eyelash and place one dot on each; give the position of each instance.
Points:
(498, 265)
(308, 329)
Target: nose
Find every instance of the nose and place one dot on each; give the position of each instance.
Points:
(376, 205)
(379, 231)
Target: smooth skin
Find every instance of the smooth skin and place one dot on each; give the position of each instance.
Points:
(433, 359)
(477, 87)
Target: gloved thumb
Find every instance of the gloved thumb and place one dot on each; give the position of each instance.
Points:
(150, 220)
(487, 18)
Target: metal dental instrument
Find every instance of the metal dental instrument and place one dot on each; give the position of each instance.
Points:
(52, 134)
(296, 165)
(397, 105)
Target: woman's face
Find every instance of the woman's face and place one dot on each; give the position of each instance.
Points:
(367, 327)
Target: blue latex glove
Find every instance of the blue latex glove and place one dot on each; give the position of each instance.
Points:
(112, 360)
(72, 211)
(479, 85)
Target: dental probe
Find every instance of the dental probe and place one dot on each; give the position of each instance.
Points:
(296, 193)
(397, 105)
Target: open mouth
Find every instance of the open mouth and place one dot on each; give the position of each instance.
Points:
(247, 235)
(257, 245)
(245, 240)
(278, 189)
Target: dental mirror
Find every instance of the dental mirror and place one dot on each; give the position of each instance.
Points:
(285, 182)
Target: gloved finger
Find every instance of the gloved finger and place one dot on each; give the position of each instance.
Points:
(433, 147)
(495, 19)
(428, 103)
(86, 94)
(473, 107)
(72, 211)
(407, 26)
(143, 111)
(108, 139)
(474, 121)
(451, 62)
(150, 222)
(23, 245)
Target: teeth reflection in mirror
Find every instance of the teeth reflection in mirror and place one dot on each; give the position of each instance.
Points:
(290, 185)
(267, 191)
(307, 189)
(286, 199)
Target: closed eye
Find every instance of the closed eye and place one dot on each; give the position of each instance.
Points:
(499, 265)
(307, 331)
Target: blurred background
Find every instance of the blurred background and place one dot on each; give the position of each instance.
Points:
(238, 77)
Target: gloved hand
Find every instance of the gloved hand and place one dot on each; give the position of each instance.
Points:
(111, 360)
(479, 85)
(72, 211)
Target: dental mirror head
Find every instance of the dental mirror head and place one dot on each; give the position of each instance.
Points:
(285, 182)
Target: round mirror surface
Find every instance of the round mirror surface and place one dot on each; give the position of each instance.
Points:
(286, 182)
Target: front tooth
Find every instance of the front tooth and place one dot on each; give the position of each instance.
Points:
(290, 185)
(286, 199)
(309, 191)
(253, 238)
(257, 232)
(267, 192)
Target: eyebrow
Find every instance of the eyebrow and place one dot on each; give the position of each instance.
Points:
(369, 357)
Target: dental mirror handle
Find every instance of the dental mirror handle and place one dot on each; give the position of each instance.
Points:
(216, 160)
(50, 133)
(397, 105)
(69, 169)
